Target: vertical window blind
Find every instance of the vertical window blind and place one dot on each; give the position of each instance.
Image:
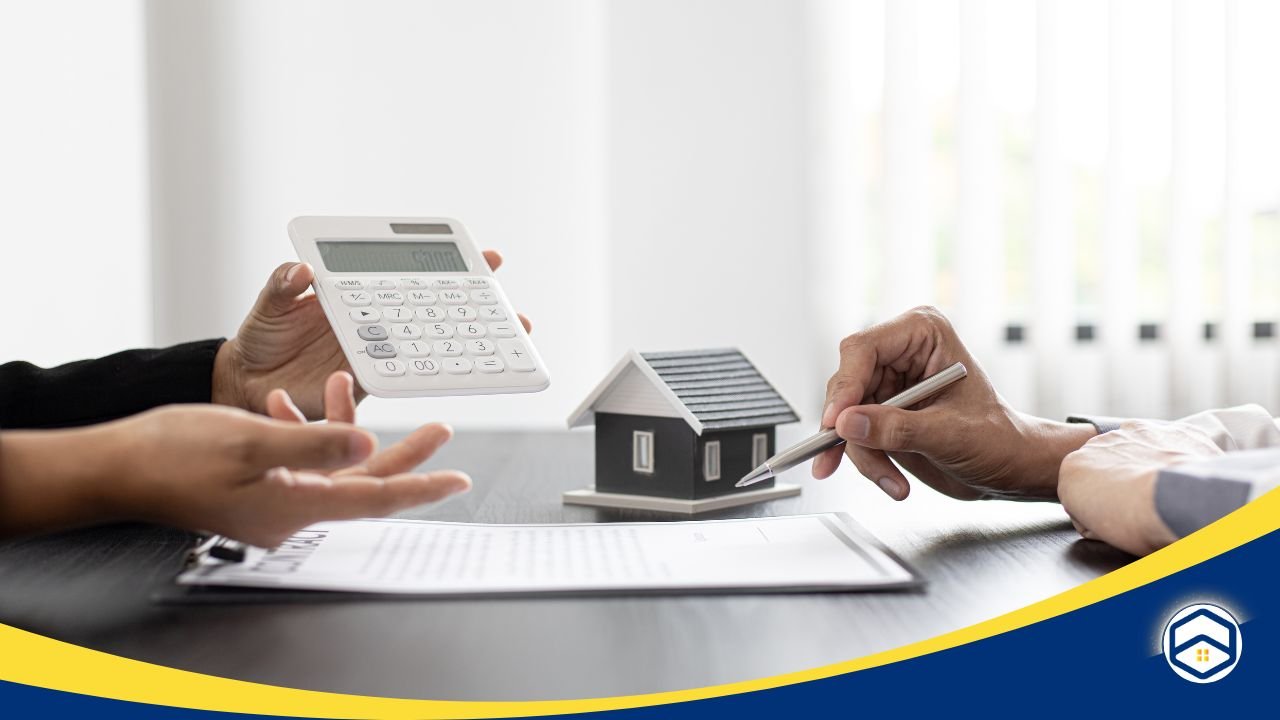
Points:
(1088, 188)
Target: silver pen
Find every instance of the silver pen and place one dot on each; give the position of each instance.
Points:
(827, 439)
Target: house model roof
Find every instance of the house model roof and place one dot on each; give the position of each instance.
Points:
(710, 389)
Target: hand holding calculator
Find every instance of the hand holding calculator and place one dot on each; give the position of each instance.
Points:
(416, 308)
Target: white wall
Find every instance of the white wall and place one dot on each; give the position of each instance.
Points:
(485, 111)
(708, 233)
(73, 251)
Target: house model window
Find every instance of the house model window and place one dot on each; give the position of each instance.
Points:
(711, 461)
(759, 449)
(642, 452)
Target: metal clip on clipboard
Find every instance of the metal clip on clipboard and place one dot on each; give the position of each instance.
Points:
(217, 547)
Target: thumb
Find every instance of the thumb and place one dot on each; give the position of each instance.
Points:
(891, 429)
(274, 443)
(284, 286)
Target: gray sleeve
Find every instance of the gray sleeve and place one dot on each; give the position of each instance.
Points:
(1192, 495)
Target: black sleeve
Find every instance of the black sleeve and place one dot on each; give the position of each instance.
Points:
(93, 391)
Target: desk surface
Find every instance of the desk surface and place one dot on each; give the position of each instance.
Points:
(93, 588)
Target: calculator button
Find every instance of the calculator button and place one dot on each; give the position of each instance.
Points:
(477, 283)
(493, 313)
(413, 283)
(377, 285)
(422, 297)
(479, 347)
(389, 368)
(439, 330)
(399, 314)
(380, 350)
(347, 283)
(415, 349)
(372, 332)
(464, 313)
(444, 285)
(364, 317)
(489, 365)
(356, 298)
(453, 297)
(484, 297)
(389, 297)
(447, 348)
(424, 367)
(516, 355)
(405, 331)
(457, 366)
(471, 330)
(502, 330)
(431, 314)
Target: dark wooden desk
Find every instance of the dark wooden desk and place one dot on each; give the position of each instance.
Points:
(94, 588)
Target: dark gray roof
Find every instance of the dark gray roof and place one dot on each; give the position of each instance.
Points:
(721, 388)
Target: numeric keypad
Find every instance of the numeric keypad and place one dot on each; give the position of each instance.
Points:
(431, 328)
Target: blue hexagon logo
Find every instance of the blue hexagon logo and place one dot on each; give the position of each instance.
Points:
(1202, 643)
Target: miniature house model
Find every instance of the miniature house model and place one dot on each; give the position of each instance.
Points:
(676, 430)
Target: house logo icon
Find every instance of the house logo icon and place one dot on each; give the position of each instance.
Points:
(1202, 643)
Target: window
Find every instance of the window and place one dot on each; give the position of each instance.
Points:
(759, 449)
(711, 461)
(1115, 232)
(642, 451)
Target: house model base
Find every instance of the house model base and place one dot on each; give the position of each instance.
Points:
(588, 496)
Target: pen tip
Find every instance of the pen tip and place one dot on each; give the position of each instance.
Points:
(755, 476)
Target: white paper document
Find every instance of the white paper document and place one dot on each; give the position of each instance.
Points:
(794, 553)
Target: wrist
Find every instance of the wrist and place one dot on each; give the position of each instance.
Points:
(111, 485)
(228, 383)
(1047, 443)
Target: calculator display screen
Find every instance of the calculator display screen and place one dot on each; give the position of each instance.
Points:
(390, 256)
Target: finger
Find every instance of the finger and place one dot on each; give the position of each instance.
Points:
(827, 463)
(849, 385)
(280, 407)
(888, 428)
(410, 452)
(906, 345)
(887, 383)
(355, 496)
(265, 444)
(876, 466)
(494, 258)
(412, 489)
(284, 286)
(340, 398)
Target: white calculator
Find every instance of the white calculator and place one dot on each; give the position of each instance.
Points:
(416, 308)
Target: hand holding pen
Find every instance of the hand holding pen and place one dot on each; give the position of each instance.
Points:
(966, 442)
